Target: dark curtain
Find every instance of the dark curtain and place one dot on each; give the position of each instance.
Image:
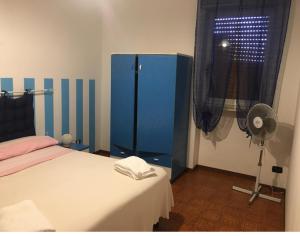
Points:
(247, 35)
(257, 80)
(211, 69)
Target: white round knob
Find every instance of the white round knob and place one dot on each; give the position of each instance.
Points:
(258, 122)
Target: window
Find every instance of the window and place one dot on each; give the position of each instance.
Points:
(247, 37)
(238, 49)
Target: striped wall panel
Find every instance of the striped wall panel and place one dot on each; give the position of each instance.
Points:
(49, 124)
(79, 109)
(70, 108)
(65, 111)
(92, 115)
(7, 84)
(29, 85)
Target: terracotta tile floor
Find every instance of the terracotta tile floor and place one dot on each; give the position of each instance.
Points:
(204, 201)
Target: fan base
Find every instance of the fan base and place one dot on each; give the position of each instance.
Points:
(255, 194)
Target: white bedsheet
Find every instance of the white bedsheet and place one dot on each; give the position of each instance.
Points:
(82, 192)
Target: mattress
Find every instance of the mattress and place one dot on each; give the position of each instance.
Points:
(82, 192)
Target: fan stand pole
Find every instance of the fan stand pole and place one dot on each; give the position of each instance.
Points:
(257, 187)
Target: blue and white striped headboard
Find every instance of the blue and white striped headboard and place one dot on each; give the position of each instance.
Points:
(69, 109)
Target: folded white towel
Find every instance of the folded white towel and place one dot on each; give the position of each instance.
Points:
(23, 216)
(134, 167)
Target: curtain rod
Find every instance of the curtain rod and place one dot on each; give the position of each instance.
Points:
(28, 91)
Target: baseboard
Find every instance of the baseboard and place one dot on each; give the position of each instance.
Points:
(226, 172)
(102, 153)
(275, 189)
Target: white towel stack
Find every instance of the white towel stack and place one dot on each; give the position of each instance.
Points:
(23, 217)
(134, 167)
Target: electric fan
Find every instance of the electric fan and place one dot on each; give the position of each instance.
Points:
(262, 124)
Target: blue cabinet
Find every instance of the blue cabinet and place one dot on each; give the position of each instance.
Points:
(150, 97)
(122, 103)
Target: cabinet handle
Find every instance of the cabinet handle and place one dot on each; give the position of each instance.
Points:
(155, 159)
(122, 153)
(140, 66)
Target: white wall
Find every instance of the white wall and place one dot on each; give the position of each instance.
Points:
(56, 39)
(42, 38)
(292, 210)
(292, 220)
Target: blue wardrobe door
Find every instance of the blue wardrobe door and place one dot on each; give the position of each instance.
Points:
(156, 105)
(122, 103)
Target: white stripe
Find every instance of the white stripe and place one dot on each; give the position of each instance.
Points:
(39, 108)
(57, 108)
(85, 111)
(18, 84)
(72, 107)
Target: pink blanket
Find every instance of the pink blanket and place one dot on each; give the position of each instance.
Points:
(18, 163)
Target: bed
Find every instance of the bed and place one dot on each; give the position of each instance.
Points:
(78, 191)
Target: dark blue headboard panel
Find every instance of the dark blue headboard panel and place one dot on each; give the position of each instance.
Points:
(16, 117)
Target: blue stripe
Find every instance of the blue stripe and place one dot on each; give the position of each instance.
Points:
(79, 109)
(92, 115)
(7, 84)
(29, 84)
(65, 126)
(49, 129)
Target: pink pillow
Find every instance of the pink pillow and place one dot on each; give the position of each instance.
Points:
(24, 145)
